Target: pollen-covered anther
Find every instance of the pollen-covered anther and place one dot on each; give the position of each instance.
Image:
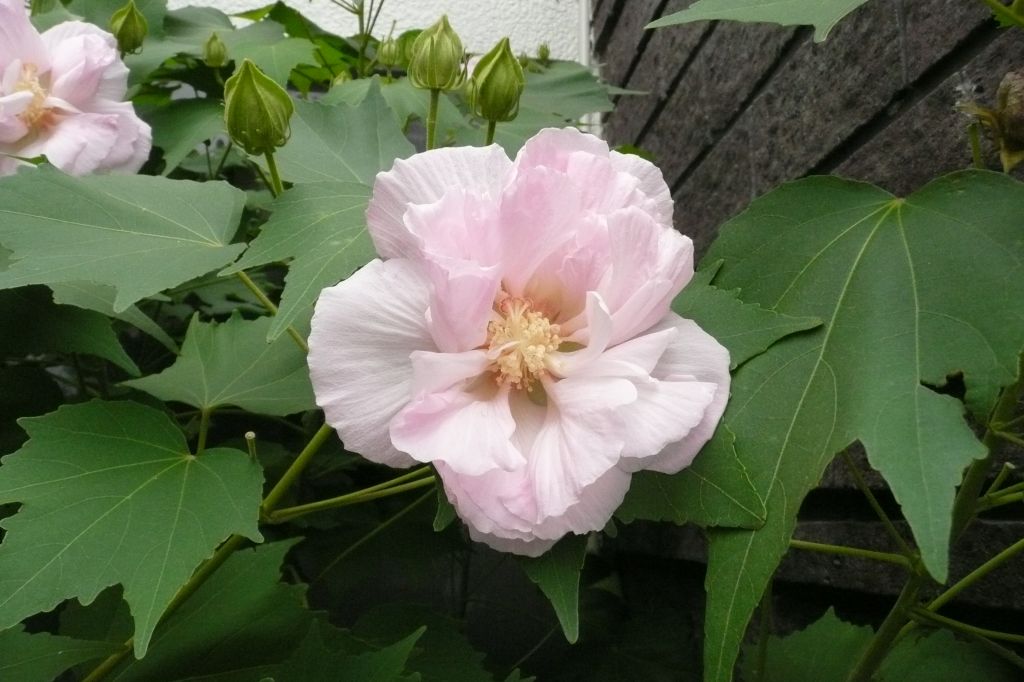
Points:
(29, 82)
(524, 338)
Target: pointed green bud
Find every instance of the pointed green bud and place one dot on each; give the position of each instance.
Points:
(544, 54)
(437, 58)
(129, 27)
(389, 53)
(497, 84)
(256, 110)
(215, 52)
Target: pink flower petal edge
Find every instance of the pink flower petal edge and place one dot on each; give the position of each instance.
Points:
(519, 335)
(61, 97)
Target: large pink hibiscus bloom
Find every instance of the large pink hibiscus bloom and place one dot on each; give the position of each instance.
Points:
(518, 336)
(60, 96)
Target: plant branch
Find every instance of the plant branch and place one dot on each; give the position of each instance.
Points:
(271, 308)
(890, 527)
(976, 575)
(885, 638)
(887, 557)
(931, 618)
(358, 497)
(294, 470)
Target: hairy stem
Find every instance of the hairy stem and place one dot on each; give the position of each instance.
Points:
(842, 550)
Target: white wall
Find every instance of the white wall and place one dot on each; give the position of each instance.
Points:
(563, 24)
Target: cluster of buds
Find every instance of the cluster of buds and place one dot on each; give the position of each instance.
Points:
(1006, 121)
(129, 27)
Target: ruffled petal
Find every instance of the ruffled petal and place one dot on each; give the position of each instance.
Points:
(693, 356)
(656, 198)
(469, 430)
(134, 138)
(78, 144)
(363, 334)
(552, 148)
(84, 64)
(18, 38)
(649, 267)
(424, 179)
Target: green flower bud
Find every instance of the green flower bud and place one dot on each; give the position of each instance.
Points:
(1010, 110)
(215, 52)
(497, 84)
(405, 44)
(256, 110)
(389, 53)
(544, 54)
(129, 27)
(437, 58)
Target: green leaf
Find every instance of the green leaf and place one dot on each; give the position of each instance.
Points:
(111, 495)
(99, 12)
(342, 142)
(231, 363)
(100, 298)
(315, 661)
(822, 14)
(747, 330)
(184, 124)
(442, 654)
(557, 574)
(322, 226)
(714, 491)
(241, 619)
(800, 656)
(883, 272)
(940, 657)
(445, 511)
(138, 234)
(44, 327)
(277, 59)
(25, 391)
(43, 657)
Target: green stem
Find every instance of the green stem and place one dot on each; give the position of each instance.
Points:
(993, 501)
(966, 503)
(1009, 656)
(223, 159)
(976, 575)
(209, 161)
(265, 301)
(974, 137)
(276, 186)
(885, 638)
(294, 470)
(1000, 478)
(842, 550)
(1008, 14)
(374, 533)
(204, 428)
(359, 497)
(491, 127)
(435, 96)
(877, 507)
(952, 624)
(1010, 437)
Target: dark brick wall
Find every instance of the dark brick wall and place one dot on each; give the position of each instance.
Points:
(734, 109)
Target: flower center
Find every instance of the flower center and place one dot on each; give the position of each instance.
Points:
(524, 338)
(29, 82)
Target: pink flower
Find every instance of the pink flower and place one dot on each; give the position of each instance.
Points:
(60, 96)
(518, 335)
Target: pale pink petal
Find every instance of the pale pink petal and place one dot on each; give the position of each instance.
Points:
(461, 303)
(458, 226)
(693, 355)
(424, 179)
(13, 128)
(596, 335)
(84, 64)
(656, 197)
(650, 266)
(435, 372)
(18, 38)
(552, 148)
(134, 138)
(364, 332)
(76, 144)
(468, 428)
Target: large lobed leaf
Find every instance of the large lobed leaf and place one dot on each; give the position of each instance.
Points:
(322, 226)
(231, 363)
(342, 142)
(912, 291)
(138, 234)
(822, 14)
(557, 574)
(110, 495)
(39, 657)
